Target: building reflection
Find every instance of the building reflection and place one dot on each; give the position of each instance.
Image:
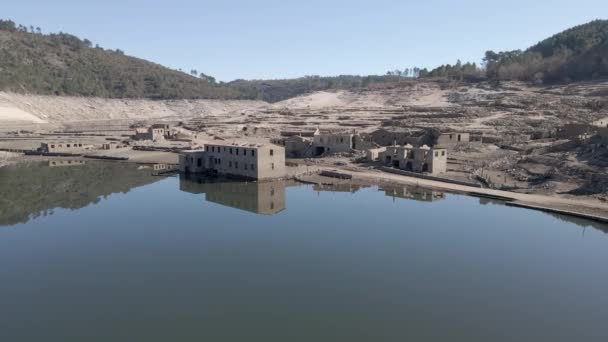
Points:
(339, 187)
(412, 193)
(395, 191)
(60, 163)
(265, 198)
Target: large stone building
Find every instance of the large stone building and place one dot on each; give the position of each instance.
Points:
(332, 143)
(416, 159)
(63, 147)
(250, 161)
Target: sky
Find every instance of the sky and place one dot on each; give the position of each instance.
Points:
(270, 39)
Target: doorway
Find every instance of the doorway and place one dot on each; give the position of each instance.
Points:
(319, 151)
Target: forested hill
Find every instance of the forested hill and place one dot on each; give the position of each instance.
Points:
(579, 53)
(281, 89)
(62, 64)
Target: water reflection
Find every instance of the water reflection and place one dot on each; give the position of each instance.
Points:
(339, 187)
(266, 198)
(395, 191)
(34, 189)
(60, 163)
(580, 222)
(158, 264)
(412, 193)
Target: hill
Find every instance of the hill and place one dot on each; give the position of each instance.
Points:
(63, 64)
(579, 53)
(282, 89)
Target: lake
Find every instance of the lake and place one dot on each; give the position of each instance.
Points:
(109, 252)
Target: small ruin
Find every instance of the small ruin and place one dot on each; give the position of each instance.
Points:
(415, 159)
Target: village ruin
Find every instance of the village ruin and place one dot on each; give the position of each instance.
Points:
(244, 160)
(464, 140)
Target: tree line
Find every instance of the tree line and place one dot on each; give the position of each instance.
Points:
(63, 64)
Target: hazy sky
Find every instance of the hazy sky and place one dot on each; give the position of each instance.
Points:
(277, 39)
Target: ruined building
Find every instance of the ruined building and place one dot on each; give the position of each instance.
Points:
(295, 146)
(415, 159)
(62, 147)
(332, 143)
(601, 123)
(243, 160)
(302, 146)
(155, 132)
(450, 140)
(388, 136)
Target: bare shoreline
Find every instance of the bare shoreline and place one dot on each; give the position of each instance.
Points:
(584, 207)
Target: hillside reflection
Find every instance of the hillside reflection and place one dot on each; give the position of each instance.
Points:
(33, 189)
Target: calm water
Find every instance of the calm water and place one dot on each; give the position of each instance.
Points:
(107, 252)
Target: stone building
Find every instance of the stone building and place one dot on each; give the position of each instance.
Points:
(244, 160)
(295, 146)
(373, 154)
(111, 146)
(332, 143)
(601, 123)
(302, 146)
(602, 136)
(397, 136)
(161, 167)
(298, 146)
(155, 132)
(62, 147)
(166, 127)
(450, 140)
(575, 131)
(416, 159)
